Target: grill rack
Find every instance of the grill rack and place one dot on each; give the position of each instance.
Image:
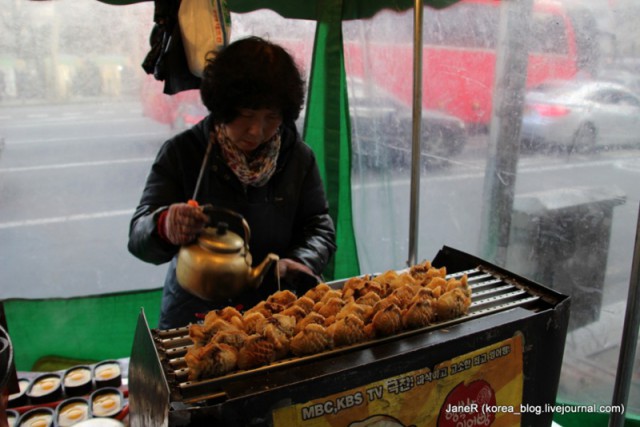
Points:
(504, 305)
(492, 292)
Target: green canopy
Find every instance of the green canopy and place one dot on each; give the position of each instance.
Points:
(313, 9)
(316, 9)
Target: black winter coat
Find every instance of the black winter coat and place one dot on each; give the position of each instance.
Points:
(288, 216)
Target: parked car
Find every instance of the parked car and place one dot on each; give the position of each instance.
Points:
(625, 78)
(382, 129)
(381, 126)
(580, 115)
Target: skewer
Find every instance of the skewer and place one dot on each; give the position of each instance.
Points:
(205, 161)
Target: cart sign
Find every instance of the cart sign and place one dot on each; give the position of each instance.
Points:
(481, 388)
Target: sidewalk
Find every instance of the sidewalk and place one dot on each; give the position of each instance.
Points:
(591, 359)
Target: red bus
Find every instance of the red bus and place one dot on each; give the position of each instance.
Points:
(459, 57)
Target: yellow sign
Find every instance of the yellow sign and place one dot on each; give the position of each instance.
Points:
(481, 388)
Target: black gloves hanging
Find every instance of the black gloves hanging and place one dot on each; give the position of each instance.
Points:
(166, 59)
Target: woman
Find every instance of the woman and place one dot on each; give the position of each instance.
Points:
(258, 167)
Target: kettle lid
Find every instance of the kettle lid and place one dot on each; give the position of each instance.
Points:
(220, 239)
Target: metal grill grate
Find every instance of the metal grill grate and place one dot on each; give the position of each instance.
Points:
(492, 292)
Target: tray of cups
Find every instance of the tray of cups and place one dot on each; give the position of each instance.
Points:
(107, 404)
(80, 380)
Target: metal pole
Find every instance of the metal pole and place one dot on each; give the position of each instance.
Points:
(506, 116)
(629, 337)
(414, 206)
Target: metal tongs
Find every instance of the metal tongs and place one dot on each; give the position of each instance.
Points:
(208, 208)
(193, 201)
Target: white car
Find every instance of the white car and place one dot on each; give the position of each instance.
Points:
(580, 115)
(628, 79)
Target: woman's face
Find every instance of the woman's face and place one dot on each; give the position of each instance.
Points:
(253, 127)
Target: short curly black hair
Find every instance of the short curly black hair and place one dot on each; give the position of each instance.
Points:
(252, 73)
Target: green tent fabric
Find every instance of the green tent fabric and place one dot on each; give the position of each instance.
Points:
(48, 333)
(315, 9)
(312, 9)
(327, 132)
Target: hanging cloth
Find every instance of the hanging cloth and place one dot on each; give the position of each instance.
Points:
(166, 60)
(205, 26)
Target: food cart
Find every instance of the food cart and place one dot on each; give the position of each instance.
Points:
(498, 364)
(347, 376)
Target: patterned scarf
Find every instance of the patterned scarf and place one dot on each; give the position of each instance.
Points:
(255, 169)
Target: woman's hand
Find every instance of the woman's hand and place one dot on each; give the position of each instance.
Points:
(183, 223)
(288, 269)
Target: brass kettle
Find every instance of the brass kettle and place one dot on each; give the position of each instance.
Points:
(217, 265)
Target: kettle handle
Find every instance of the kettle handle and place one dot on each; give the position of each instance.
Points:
(208, 209)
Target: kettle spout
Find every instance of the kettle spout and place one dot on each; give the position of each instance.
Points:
(257, 273)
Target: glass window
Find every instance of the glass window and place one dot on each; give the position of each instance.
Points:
(76, 146)
(480, 30)
(583, 163)
(80, 125)
(629, 100)
(548, 34)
